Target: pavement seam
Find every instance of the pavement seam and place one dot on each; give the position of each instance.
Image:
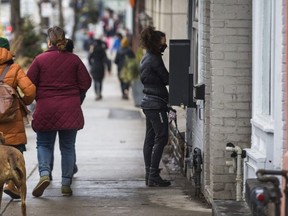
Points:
(32, 172)
(5, 207)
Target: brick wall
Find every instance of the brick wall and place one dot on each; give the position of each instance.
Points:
(230, 96)
(169, 16)
(202, 136)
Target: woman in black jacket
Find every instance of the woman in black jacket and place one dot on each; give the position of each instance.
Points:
(154, 77)
(97, 61)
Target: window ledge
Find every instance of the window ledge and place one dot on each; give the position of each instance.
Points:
(263, 123)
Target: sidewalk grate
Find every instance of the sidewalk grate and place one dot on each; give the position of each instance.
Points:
(124, 114)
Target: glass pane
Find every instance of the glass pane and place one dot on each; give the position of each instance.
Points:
(266, 61)
(195, 53)
(196, 12)
(195, 44)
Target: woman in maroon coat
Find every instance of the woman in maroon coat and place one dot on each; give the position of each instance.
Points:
(61, 80)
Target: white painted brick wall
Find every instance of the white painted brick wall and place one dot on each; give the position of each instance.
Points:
(200, 131)
(231, 78)
(169, 16)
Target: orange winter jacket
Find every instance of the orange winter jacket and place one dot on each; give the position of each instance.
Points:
(14, 131)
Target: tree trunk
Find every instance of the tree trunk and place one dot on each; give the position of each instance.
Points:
(39, 2)
(77, 10)
(61, 18)
(16, 21)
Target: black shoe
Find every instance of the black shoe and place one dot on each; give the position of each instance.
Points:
(98, 98)
(146, 176)
(125, 96)
(75, 169)
(155, 179)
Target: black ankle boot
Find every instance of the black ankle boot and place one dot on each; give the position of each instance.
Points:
(146, 175)
(155, 179)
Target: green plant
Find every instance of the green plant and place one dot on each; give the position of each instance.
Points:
(29, 44)
(131, 68)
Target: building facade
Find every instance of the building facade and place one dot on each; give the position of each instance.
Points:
(269, 82)
(238, 54)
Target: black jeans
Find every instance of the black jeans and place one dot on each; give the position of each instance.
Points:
(156, 137)
(98, 86)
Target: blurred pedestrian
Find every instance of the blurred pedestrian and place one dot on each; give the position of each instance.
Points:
(89, 41)
(117, 42)
(97, 60)
(129, 36)
(154, 77)
(14, 130)
(122, 57)
(70, 45)
(60, 78)
(70, 48)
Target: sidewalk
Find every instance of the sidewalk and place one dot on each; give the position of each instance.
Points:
(110, 180)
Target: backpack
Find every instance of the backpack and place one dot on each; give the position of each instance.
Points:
(8, 100)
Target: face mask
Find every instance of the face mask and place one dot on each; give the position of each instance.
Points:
(162, 48)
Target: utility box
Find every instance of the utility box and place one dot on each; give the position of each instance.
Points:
(180, 78)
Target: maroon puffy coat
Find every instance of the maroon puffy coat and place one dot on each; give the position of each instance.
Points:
(60, 78)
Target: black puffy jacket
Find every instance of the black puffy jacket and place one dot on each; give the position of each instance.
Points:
(97, 60)
(154, 77)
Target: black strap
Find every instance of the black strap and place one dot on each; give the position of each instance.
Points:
(179, 133)
(177, 130)
(3, 76)
(25, 109)
(4, 72)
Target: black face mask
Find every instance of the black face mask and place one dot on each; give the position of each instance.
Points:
(162, 48)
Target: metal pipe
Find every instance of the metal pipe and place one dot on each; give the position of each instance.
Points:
(236, 149)
(239, 174)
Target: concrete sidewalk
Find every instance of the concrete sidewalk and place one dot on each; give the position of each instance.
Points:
(110, 180)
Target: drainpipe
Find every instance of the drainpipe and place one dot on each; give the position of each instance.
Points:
(239, 154)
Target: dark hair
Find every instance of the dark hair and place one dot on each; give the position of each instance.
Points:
(69, 45)
(119, 35)
(150, 39)
(56, 36)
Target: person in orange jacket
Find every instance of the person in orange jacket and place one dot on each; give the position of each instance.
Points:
(14, 130)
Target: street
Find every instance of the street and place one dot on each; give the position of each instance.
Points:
(110, 180)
